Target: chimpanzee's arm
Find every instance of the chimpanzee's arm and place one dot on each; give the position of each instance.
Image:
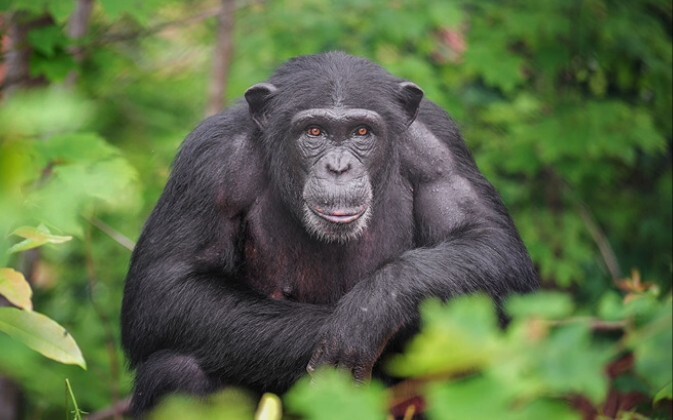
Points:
(182, 294)
(466, 242)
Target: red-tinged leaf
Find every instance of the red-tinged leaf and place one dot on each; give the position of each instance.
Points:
(15, 288)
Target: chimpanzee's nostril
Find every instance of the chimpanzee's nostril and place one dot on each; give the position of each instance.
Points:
(337, 168)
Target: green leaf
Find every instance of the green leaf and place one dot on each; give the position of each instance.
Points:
(15, 288)
(48, 39)
(76, 147)
(40, 112)
(665, 393)
(228, 404)
(35, 237)
(456, 337)
(546, 305)
(61, 10)
(332, 395)
(561, 361)
(457, 400)
(652, 345)
(41, 334)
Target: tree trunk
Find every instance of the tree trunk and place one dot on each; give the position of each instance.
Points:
(222, 57)
(77, 29)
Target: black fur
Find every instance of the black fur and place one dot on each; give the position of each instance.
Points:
(230, 284)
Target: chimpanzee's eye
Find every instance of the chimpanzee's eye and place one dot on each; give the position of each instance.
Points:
(362, 132)
(314, 131)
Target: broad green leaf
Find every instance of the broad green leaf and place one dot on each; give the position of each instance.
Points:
(61, 10)
(665, 393)
(15, 288)
(547, 305)
(458, 400)
(76, 147)
(543, 361)
(228, 404)
(333, 395)
(41, 334)
(35, 237)
(652, 344)
(48, 39)
(458, 337)
(44, 111)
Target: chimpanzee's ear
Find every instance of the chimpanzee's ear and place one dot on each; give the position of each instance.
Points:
(258, 97)
(410, 96)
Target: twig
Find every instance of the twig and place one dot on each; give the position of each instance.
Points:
(112, 233)
(126, 36)
(160, 27)
(608, 254)
(121, 408)
(594, 324)
(597, 234)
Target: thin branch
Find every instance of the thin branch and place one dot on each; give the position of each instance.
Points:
(127, 36)
(160, 27)
(115, 235)
(601, 240)
(121, 408)
(594, 324)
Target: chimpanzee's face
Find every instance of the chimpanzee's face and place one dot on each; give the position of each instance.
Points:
(330, 139)
(336, 148)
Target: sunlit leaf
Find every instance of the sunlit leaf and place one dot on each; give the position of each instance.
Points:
(41, 334)
(652, 344)
(270, 408)
(457, 337)
(333, 395)
(35, 237)
(665, 393)
(227, 404)
(15, 288)
(458, 400)
(547, 305)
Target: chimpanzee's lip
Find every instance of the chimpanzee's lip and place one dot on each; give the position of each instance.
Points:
(340, 216)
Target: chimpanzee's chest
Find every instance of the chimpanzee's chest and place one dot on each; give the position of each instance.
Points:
(282, 261)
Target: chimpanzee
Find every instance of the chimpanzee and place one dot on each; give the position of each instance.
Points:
(303, 227)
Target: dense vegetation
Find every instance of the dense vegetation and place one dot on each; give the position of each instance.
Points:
(566, 105)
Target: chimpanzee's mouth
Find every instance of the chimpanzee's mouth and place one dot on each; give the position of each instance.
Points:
(340, 215)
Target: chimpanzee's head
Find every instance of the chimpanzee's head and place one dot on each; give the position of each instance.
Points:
(331, 125)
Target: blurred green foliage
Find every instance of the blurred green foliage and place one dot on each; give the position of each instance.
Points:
(566, 105)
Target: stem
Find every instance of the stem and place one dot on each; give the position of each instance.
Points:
(115, 235)
(76, 412)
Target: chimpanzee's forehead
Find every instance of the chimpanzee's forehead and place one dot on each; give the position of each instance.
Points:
(333, 75)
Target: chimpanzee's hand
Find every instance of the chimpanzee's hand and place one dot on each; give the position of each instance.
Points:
(353, 338)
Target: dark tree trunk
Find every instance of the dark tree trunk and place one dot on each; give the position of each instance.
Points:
(17, 57)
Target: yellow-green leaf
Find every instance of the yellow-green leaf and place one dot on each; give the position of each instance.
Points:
(35, 237)
(41, 334)
(15, 288)
(270, 408)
